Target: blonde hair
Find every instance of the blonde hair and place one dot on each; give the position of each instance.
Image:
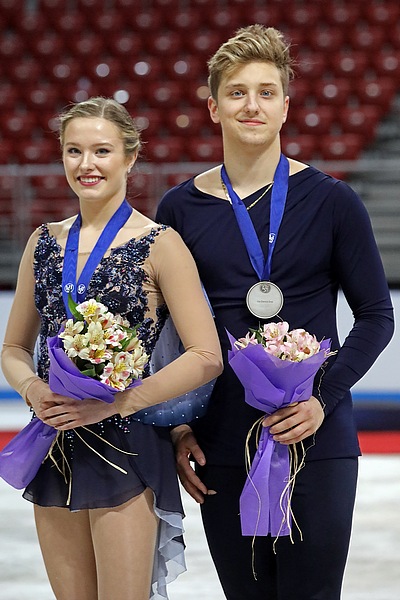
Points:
(105, 108)
(249, 44)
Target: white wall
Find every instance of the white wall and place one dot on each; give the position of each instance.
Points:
(383, 377)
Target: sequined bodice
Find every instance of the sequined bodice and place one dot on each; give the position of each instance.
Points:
(119, 282)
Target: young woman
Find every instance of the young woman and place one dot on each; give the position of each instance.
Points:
(105, 534)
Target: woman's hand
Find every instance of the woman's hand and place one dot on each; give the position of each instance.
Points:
(65, 413)
(295, 422)
(40, 397)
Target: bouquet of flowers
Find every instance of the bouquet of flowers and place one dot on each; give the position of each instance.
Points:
(94, 355)
(277, 368)
(95, 352)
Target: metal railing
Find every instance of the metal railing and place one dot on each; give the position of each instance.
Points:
(376, 180)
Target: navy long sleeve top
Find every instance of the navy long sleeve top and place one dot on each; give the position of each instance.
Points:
(325, 242)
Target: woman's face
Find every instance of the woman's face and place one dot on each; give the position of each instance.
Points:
(94, 159)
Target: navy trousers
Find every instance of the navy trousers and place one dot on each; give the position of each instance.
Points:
(312, 569)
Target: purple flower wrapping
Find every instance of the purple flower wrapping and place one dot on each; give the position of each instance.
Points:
(21, 458)
(270, 383)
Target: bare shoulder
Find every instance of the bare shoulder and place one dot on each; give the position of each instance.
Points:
(59, 229)
(209, 182)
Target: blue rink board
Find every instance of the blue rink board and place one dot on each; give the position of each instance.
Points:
(373, 411)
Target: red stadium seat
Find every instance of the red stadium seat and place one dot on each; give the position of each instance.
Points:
(367, 38)
(125, 45)
(295, 35)
(67, 22)
(205, 149)
(300, 147)
(204, 42)
(23, 70)
(86, 44)
(125, 92)
(311, 65)
(299, 91)
(316, 121)
(307, 15)
(185, 68)
(42, 96)
(31, 23)
(224, 19)
(164, 43)
(64, 70)
(106, 22)
(185, 19)
(381, 13)
(6, 155)
(269, 14)
(197, 94)
(143, 21)
(125, 5)
(48, 211)
(393, 34)
(341, 13)
(362, 120)
(47, 44)
(140, 184)
(326, 39)
(149, 121)
(163, 94)
(346, 146)
(349, 63)
(51, 187)
(188, 121)
(102, 68)
(43, 151)
(11, 45)
(12, 10)
(168, 149)
(333, 91)
(79, 91)
(48, 120)
(9, 96)
(50, 7)
(386, 62)
(16, 124)
(145, 68)
(176, 178)
(380, 92)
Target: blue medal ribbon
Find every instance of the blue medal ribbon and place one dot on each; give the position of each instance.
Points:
(278, 200)
(70, 285)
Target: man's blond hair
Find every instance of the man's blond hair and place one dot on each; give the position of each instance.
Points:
(250, 44)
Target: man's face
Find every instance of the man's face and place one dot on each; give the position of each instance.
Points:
(250, 106)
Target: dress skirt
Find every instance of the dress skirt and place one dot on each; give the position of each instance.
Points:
(105, 465)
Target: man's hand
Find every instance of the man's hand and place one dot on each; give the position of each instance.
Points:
(295, 422)
(186, 446)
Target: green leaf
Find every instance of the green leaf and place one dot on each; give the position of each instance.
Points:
(90, 372)
(72, 307)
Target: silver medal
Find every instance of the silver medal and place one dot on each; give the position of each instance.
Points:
(264, 300)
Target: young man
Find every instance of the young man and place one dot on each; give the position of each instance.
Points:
(324, 242)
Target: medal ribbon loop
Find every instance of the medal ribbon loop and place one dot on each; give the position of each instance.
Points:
(278, 200)
(70, 285)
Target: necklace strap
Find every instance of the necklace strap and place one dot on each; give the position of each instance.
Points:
(78, 289)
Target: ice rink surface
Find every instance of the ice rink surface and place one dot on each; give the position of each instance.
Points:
(373, 571)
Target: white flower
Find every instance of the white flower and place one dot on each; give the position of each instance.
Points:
(91, 310)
